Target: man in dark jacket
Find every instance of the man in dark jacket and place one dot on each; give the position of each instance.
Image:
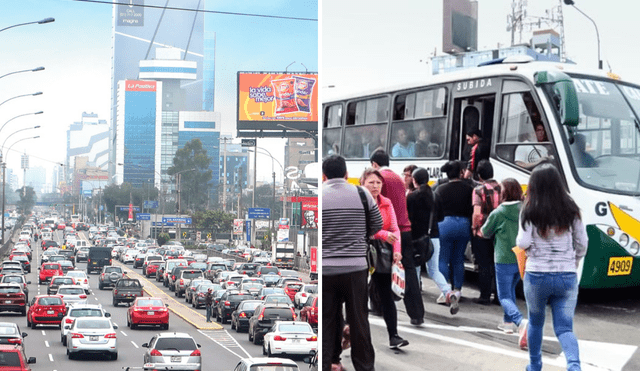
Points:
(208, 303)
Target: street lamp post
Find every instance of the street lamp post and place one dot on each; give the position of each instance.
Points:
(4, 171)
(274, 186)
(29, 70)
(178, 186)
(23, 95)
(572, 3)
(42, 21)
(24, 114)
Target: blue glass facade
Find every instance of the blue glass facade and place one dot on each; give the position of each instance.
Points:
(237, 166)
(208, 66)
(140, 137)
(199, 125)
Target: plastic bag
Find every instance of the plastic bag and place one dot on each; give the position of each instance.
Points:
(521, 257)
(397, 279)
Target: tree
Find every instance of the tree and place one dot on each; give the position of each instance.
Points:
(194, 184)
(213, 221)
(27, 200)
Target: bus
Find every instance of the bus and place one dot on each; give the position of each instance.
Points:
(75, 218)
(591, 122)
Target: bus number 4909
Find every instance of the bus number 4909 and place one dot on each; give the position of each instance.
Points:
(620, 266)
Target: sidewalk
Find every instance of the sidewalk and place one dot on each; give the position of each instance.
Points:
(195, 318)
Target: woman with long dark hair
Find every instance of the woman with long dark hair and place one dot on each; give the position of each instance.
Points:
(454, 202)
(372, 180)
(555, 239)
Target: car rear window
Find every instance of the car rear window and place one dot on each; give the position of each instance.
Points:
(71, 291)
(294, 328)
(10, 279)
(278, 313)
(251, 266)
(8, 330)
(50, 301)
(9, 290)
(93, 324)
(85, 313)
(52, 266)
(267, 270)
(128, 283)
(113, 269)
(175, 343)
(10, 359)
(249, 305)
(190, 275)
(311, 289)
(239, 297)
(294, 286)
(62, 281)
(150, 303)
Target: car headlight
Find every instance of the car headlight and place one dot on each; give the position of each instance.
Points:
(635, 248)
(623, 240)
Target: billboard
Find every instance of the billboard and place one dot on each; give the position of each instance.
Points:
(309, 209)
(266, 99)
(238, 226)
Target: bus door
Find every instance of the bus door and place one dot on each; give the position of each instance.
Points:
(474, 107)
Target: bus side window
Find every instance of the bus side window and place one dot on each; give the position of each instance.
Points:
(331, 130)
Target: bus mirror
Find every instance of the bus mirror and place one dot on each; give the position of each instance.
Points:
(563, 94)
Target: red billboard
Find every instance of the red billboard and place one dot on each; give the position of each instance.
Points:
(139, 85)
(309, 209)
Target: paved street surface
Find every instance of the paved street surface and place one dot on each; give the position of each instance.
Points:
(606, 325)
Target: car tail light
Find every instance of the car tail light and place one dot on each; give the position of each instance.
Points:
(155, 352)
(195, 353)
(83, 296)
(115, 291)
(77, 336)
(181, 282)
(279, 338)
(113, 336)
(68, 320)
(173, 278)
(261, 316)
(313, 338)
(15, 341)
(294, 314)
(141, 292)
(227, 303)
(242, 315)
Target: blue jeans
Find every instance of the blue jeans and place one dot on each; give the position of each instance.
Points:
(209, 312)
(433, 268)
(455, 233)
(560, 291)
(507, 277)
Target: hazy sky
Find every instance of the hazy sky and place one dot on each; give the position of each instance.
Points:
(388, 42)
(76, 53)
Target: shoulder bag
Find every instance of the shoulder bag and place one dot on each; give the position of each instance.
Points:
(372, 255)
(423, 247)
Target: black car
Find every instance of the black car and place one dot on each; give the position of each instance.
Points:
(240, 317)
(264, 316)
(57, 282)
(126, 290)
(229, 301)
(98, 258)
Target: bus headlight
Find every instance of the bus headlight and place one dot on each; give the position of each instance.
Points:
(623, 240)
(635, 248)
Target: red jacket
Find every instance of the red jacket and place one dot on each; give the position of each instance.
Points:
(389, 222)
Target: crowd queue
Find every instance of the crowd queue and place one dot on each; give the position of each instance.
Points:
(397, 215)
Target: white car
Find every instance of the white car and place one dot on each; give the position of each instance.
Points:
(80, 277)
(289, 337)
(129, 256)
(92, 335)
(76, 311)
(72, 294)
(305, 291)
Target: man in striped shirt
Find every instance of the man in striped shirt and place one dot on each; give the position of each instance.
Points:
(344, 265)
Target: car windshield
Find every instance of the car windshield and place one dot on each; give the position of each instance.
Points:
(175, 343)
(605, 149)
(150, 303)
(92, 324)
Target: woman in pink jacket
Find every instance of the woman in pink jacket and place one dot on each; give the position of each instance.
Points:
(372, 181)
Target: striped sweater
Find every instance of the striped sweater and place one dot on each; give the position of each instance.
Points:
(344, 227)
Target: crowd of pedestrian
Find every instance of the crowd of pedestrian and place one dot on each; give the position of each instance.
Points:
(468, 206)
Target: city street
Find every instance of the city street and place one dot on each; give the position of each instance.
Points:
(221, 348)
(606, 325)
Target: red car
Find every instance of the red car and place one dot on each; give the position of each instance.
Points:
(152, 267)
(14, 358)
(48, 271)
(309, 313)
(46, 310)
(292, 289)
(148, 311)
(13, 298)
(62, 226)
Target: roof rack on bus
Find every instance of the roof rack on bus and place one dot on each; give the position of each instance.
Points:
(510, 59)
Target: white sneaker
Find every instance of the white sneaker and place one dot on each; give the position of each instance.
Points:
(507, 327)
(442, 299)
(522, 331)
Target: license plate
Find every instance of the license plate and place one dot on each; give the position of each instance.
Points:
(51, 312)
(150, 313)
(295, 341)
(7, 301)
(620, 266)
(176, 358)
(93, 338)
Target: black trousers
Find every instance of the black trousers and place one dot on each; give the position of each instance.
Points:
(382, 284)
(350, 289)
(483, 254)
(412, 296)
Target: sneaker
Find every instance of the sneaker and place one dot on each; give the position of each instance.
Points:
(453, 297)
(507, 327)
(441, 300)
(396, 342)
(522, 331)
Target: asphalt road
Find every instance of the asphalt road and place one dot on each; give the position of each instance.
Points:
(221, 349)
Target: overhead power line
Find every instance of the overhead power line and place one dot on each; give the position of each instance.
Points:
(200, 10)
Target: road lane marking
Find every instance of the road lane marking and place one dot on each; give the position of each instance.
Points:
(225, 340)
(44, 333)
(50, 357)
(46, 343)
(124, 333)
(134, 344)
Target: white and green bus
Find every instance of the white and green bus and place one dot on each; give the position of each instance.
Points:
(591, 122)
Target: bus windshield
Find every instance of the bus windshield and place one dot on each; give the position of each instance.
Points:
(605, 151)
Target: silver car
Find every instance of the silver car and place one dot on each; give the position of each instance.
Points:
(72, 294)
(77, 311)
(173, 351)
(92, 335)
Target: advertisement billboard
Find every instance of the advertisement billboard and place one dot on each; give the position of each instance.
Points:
(309, 210)
(266, 99)
(238, 225)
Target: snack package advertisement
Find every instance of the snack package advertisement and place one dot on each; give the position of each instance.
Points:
(275, 96)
